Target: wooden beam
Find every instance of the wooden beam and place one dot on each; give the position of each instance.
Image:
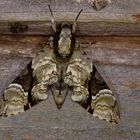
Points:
(105, 50)
(116, 58)
(119, 19)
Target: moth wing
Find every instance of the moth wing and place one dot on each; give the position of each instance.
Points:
(45, 72)
(77, 75)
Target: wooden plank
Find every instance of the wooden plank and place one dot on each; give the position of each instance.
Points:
(121, 53)
(106, 50)
(22, 46)
(95, 28)
(116, 58)
(119, 18)
(45, 121)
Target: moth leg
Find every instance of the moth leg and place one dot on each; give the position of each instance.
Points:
(105, 106)
(14, 100)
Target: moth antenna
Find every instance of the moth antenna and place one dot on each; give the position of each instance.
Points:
(52, 19)
(75, 22)
(78, 15)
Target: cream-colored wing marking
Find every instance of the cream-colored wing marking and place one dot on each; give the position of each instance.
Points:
(78, 74)
(45, 71)
(105, 106)
(14, 100)
(44, 67)
(39, 92)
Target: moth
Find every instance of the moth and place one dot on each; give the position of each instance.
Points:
(62, 67)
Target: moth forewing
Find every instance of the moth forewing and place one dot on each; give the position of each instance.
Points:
(77, 75)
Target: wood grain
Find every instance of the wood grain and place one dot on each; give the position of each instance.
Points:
(106, 50)
(119, 18)
(116, 59)
(110, 37)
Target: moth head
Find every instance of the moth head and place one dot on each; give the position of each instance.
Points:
(64, 40)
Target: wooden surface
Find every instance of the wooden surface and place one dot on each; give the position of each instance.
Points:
(119, 18)
(45, 122)
(118, 61)
(106, 50)
(11, 66)
(106, 36)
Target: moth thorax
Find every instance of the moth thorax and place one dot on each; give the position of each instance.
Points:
(65, 41)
